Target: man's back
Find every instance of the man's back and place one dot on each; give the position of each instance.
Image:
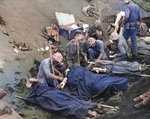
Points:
(134, 13)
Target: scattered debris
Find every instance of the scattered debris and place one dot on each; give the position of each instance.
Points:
(46, 48)
(16, 51)
(41, 49)
(1, 70)
(89, 0)
(68, 24)
(2, 22)
(90, 11)
(109, 19)
(4, 32)
(111, 107)
(22, 46)
(146, 20)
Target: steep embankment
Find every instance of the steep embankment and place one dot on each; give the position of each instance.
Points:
(24, 21)
(144, 4)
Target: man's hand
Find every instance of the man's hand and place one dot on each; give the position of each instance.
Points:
(60, 74)
(60, 78)
(107, 43)
(85, 58)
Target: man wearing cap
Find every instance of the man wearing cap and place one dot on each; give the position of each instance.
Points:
(97, 49)
(45, 72)
(76, 50)
(131, 24)
(120, 45)
(95, 31)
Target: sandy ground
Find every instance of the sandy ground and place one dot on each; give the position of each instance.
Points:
(21, 22)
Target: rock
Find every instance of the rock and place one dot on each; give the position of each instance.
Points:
(7, 112)
(2, 93)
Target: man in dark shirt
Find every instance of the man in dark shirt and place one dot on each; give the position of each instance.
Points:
(131, 24)
(95, 31)
(76, 51)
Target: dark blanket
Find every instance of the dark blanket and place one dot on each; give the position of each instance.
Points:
(86, 85)
(53, 99)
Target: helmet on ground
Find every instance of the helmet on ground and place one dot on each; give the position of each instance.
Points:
(127, 1)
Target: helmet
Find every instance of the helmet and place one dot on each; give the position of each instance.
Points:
(127, 1)
(97, 23)
(78, 31)
(58, 57)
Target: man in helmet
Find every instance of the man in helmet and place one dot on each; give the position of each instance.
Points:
(76, 51)
(96, 50)
(95, 30)
(131, 24)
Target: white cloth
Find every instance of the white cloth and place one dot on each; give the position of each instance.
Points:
(122, 13)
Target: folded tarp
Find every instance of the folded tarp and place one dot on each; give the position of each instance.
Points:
(85, 84)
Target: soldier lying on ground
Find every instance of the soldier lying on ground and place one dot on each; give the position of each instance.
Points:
(121, 67)
(63, 103)
(46, 95)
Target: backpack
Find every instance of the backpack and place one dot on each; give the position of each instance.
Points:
(143, 29)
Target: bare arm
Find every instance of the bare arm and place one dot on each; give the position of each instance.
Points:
(99, 69)
(127, 13)
(60, 74)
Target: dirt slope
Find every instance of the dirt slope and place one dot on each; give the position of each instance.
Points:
(21, 22)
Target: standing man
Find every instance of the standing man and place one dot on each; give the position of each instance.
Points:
(131, 24)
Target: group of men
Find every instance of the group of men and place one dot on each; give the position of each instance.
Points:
(93, 47)
(90, 47)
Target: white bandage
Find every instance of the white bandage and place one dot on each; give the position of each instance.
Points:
(122, 13)
(67, 70)
(97, 71)
(111, 56)
(63, 84)
(105, 70)
(111, 41)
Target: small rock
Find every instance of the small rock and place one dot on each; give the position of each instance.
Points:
(16, 51)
